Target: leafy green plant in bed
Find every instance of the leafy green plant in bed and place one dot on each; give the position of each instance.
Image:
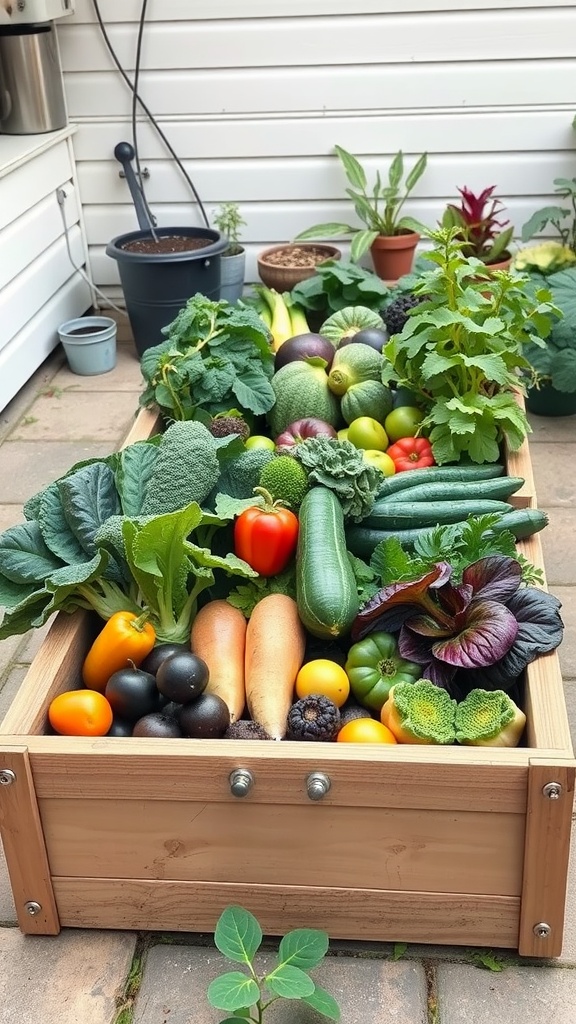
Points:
(247, 995)
(555, 363)
(217, 356)
(338, 284)
(462, 349)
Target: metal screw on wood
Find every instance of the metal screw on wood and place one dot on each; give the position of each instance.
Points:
(7, 777)
(317, 785)
(32, 908)
(241, 781)
(542, 930)
(553, 790)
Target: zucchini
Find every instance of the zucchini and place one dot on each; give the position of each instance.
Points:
(444, 490)
(432, 474)
(401, 515)
(326, 591)
(522, 522)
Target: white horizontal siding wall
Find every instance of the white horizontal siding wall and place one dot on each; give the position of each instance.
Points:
(254, 103)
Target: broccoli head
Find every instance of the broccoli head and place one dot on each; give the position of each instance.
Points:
(241, 474)
(285, 479)
(420, 712)
(489, 718)
(186, 468)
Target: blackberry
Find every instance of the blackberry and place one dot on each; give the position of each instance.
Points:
(396, 314)
(313, 718)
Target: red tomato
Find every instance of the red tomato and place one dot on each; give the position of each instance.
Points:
(411, 453)
(80, 713)
(266, 537)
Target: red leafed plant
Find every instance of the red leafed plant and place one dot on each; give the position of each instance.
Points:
(480, 229)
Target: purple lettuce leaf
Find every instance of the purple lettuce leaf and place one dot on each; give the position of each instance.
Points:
(455, 599)
(489, 632)
(419, 649)
(425, 625)
(540, 630)
(413, 594)
(494, 578)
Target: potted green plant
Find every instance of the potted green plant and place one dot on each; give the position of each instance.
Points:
(478, 227)
(557, 217)
(462, 349)
(390, 236)
(233, 260)
(551, 381)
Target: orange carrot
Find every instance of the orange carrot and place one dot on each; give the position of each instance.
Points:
(275, 642)
(218, 636)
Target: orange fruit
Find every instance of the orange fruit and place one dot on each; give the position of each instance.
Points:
(325, 677)
(365, 730)
(80, 713)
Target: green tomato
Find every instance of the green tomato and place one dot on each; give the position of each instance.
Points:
(374, 666)
(382, 461)
(366, 432)
(260, 441)
(403, 422)
(343, 434)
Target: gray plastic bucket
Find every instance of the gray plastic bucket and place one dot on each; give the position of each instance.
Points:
(90, 344)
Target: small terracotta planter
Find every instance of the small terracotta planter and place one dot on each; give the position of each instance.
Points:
(284, 266)
(393, 255)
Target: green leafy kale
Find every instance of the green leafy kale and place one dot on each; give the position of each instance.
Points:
(216, 356)
(341, 467)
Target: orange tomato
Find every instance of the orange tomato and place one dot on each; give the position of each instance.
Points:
(325, 677)
(80, 713)
(365, 730)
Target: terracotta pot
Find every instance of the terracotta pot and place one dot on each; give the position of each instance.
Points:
(393, 255)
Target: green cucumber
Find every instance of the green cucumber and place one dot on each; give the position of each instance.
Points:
(443, 490)
(326, 591)
(433, 474)
(522, 522)
(400, 515)
(362, 540)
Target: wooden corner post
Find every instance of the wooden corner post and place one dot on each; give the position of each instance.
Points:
(24, 846)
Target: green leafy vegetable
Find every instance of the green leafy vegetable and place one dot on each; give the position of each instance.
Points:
(342, 468)
(337, 284)
(216, 356)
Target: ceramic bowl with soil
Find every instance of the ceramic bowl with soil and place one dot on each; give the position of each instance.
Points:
(284, 266)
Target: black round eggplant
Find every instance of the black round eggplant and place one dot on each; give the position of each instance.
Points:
(182, 677)
(132, 693)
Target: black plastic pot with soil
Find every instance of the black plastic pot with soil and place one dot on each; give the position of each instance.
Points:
(161, 268)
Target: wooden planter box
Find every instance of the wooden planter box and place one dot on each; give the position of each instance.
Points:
(454, 845)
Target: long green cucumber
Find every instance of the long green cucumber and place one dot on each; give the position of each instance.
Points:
(444, 490)
(326, 591)
(432, 474)
(521, 522)
(406, 515)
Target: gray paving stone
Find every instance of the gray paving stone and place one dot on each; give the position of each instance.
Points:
(553, 476)
(559, 540)
(10, 688)
(10, 651)
(32, 642)
(176, 979)
(551, 428)
(570, 697)
(10, 515)
(535, 995)
(10, 415)
(126, 375)
(71, 978)
(568, 955)
(27, 466)
(7, 909)
(64, 416)
(567, 649)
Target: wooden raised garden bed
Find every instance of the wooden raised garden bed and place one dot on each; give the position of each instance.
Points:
(455, 845)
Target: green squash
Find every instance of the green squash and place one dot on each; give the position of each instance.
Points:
(369, 398)
(301, 390)
(354, 364)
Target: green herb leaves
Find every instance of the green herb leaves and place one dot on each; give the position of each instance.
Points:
(238, 936)
(461, 350)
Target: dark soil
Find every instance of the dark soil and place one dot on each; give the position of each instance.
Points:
(167, 243)
(297, 257)
(85, 330)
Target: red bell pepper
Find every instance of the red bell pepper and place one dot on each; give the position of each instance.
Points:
(411, 453)
(266, 536)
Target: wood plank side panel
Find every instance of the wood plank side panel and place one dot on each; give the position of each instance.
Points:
(24, 847)
(366, 914)
(275, 843)
(546, 858)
